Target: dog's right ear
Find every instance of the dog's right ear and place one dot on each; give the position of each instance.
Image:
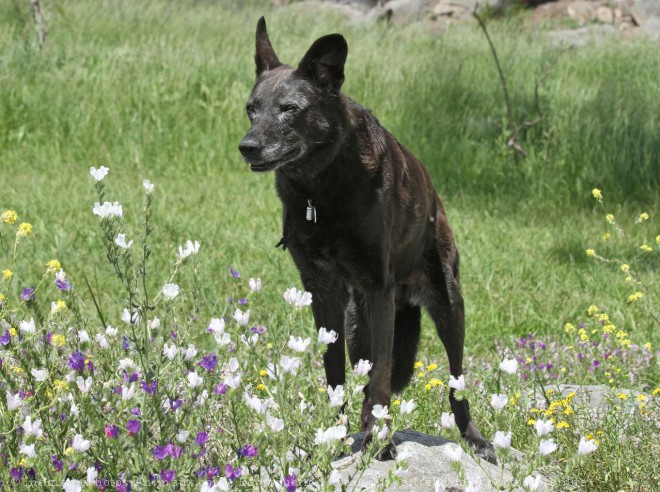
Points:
(265, 56)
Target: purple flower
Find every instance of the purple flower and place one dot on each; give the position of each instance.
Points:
(258, 329)
(27, 294)
(125, 344)
(77, 361)
(201, 438)
(248, 451)
(63, 285)
(167, 476)
(111, 431)
(176, 404)
(230, 300)
(234, 273)
(150, 389)
(16, 474)
(595, 364)
(5, 338)
(232, 473)
(160, 452)
(242, 301)
(133, 427)
(31, 473)
(123, 487)
(136, 411)
(209, 362)
(58, 464)
(220, 389)
(290, 483)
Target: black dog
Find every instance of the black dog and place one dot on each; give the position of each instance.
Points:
(362, 221)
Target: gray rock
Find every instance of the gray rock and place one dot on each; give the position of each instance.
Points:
(402, 12)
(596, 33)
(645, 11)
(581, 11)
(605, 15)
(427, 464)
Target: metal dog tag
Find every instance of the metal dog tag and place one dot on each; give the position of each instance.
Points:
(311, 212)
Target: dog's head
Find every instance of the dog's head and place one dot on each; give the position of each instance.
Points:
(294, 112)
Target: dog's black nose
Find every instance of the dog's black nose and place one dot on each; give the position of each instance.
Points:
(249, 147)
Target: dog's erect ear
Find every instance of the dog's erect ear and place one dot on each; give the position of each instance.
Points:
(265, 56)
(324, 62)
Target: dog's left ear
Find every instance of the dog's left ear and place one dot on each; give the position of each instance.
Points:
(324, 62)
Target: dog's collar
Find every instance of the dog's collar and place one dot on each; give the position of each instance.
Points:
(311, 211)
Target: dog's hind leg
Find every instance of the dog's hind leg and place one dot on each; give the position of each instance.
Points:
(407, 324)
(447, 311)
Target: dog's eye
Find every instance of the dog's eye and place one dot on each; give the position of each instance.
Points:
(288, 108)
(250, 110)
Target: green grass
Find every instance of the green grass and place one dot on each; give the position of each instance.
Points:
(157, 89)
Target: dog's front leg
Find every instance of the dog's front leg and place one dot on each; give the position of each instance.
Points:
(381, 319)
(328, 310)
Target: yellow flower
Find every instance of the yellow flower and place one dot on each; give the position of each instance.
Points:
(563, 425)
(531, 421)
(24, 230)
(8, 216)
(58, 306)
(657, 239)
(68, 451)
(427, 387)
(643, 216)
(609, 328)
(418, 364)
(583, 335)
(606, 236)
(646, 248)
(16, 369)
(261, 387)
(263, 373)
(623, 396)
(22, 463)
(60, 385)
(269, 345)
(49, 394)
(321, 390)
(647, 345)
(590, 252)
(435, 382)
(13, 332)
(535, 410)
(569, 328)
(635, 297)
(656, 391)
(2, 298)
(53, 266)
(7, 274)
(420, 374)
(603, 317)
(625, 268)
(58, 340)
(629, 279)
(396, 402)
(549, 392)
(598, 195)
(431, 367)
(568, 411)
(641, 397)
(592, 310)
(610, 218)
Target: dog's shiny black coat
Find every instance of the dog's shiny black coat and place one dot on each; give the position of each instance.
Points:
(381, 247)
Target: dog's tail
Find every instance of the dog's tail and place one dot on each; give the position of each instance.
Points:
(407, 323)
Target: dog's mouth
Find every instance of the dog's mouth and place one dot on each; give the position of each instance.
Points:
(262, 167)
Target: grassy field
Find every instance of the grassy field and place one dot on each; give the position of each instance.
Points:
(156, 90)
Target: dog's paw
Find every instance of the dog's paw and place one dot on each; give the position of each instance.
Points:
(386, 453)
(485, 450)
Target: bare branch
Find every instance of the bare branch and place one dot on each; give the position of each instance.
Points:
(40, 22)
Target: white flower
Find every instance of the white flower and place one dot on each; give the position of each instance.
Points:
(407, 406)
(457, 383)
(39, 374)
(148, 186)
(327, 337)
(195, 380)
(120, 241)
(126, 364)
(216, 326)
(170, 291)
(498, 402)
(290, 364)
(80, 444)
(587, 446)
(502, 439)
(381, 433)
(363, 367)
(191, 352)
(275, 424)
(72, 485)
(233, 364)
(547, 446)
(170, 351)
(61, 275)
(509, 366)
(234, 380)
(380, 412)
(298, 344)
(222, 484)
(128, 318)
(32, 428)
(453, 452)
(447, 419)
(190, 249)
(112, 332)
(102, 341)
(250, 341)
(334, 478)
(107, 210)
(223, 339)
(201, 399)
(336, 395)
(438, 487)
(28, 450)
(13, 401)
(127, 393)
(92, 474)
(27, 326)
(543, 427)
(83, 336)
(182, 436)
(242, 318)
(255, 284)
(329, 435)
(256, 404)
(98, 174)
(297, 297)
(84, 385)
(532, 483)
(154, 324)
